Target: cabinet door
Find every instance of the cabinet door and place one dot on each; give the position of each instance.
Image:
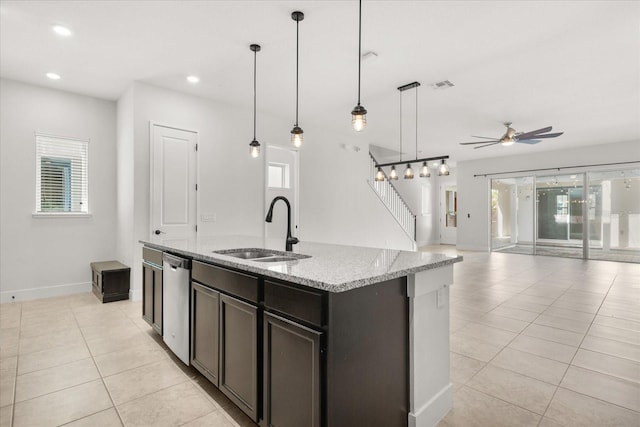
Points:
(147, 293)
(157, 300)
(238, 354)
(291, 373)
(205, 323)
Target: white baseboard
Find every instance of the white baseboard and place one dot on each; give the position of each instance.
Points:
(472, 248)
(44, 292)
(135, 294)
(434, 410)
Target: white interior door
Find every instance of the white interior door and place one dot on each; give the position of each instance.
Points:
(281, 180)
(173, 182)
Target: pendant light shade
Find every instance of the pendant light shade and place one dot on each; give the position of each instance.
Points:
(359, 113)
(393, 175)
(296, 132)
(443, 170)
(424, 170)
(254, 146)
(379, 175)
(408, 172)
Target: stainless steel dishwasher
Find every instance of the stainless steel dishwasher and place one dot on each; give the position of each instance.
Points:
(176, 275)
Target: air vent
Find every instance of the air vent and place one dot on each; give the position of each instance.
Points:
(442, 85)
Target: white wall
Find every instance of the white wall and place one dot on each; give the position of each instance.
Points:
(337, 205)
(45, 257)
(473, 193)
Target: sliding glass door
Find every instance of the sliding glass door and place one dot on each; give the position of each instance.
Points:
(593, 215)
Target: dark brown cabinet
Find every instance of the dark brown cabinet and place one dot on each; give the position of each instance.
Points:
(152, 288)
(224, 334)
(239, 354)
(110, 280)
(292, 356)
(205, 326)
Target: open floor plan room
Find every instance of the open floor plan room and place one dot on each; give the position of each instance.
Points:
(535, 341)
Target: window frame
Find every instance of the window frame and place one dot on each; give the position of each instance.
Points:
(82, 146)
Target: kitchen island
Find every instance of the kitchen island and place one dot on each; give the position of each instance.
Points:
(336, 336)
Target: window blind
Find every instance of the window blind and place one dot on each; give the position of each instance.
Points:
(61, 175)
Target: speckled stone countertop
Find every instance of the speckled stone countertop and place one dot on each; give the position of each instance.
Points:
(333, 268)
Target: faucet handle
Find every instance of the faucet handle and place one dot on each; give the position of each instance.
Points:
(293, 240)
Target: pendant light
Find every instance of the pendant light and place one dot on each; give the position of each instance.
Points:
(393, 175)
(424, 170)
(296, 132)
(254, 147)
(379, 175)
(444, 168)
(359, 113)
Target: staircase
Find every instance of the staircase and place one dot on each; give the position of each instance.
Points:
(393, 201)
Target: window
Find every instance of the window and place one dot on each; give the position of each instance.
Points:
(278, 175)
(61, 175)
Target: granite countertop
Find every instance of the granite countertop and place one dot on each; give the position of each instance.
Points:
(333, 268)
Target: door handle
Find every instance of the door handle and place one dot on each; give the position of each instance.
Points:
(158, 232)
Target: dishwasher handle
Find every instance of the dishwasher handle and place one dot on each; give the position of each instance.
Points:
(176, 262)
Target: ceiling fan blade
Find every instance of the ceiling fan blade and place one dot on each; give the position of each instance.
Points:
(487, 145)
(485, 137)
(529, 141)
(479, 142)
(547, 135)
(532, 133)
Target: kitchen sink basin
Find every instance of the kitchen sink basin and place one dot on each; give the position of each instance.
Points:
(277, 259)
(262, 255)
(248, 254)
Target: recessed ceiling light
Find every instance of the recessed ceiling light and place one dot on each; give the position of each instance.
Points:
(193, 79)
(61, 30)
(53, 76)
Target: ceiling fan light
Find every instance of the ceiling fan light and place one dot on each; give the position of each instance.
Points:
(424, 171)
(393, 175)
(508, 141)
(358, 118)
(379, 175)
(408, 172)
(444, 169)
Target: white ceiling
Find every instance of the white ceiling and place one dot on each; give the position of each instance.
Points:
(574, 65)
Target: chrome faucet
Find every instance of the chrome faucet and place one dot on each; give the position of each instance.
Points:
(290, 239)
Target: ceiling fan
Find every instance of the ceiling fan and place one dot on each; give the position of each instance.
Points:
(511, 137)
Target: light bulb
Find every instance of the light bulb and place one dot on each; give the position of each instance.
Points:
(424, 171)
(296, 136)
(393, 175)
(53, 76)
(379, 175)
(444, 169)
(358, 118)
(408, 172)
(254, 148)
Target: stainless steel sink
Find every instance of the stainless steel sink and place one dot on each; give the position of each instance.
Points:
(247, 254)
(277, 259)
(262, 255)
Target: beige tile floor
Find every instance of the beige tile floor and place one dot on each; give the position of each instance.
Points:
(534, 341)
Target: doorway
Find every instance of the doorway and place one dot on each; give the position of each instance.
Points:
(448, 214)
(173, 207)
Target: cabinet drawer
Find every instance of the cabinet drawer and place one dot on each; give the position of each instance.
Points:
(152, 255)
(238, 284)
(300, 304)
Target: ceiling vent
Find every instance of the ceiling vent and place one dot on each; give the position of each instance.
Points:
(445, 84)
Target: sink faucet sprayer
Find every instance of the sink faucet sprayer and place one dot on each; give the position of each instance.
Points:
(290, 240)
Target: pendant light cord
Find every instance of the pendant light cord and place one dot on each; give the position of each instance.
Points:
(400, 126)
(416, 122)
(359, 47)
(255, 55)
(297, 60)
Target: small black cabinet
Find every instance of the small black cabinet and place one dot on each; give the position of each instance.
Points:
(152, 288)
(110, 280)
(205, 327)
(292, 355)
